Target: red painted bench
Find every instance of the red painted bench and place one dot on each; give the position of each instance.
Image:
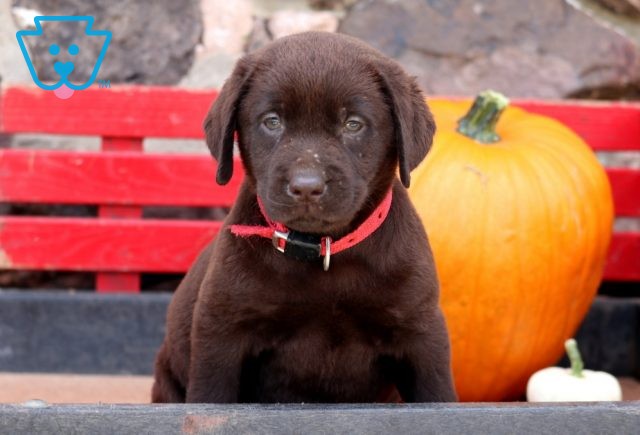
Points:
(119, 245)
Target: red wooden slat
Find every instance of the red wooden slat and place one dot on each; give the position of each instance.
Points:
(116, 112)
(119, 212)
(118, 282)
(605, 126)
(623, 260)
(123, 178)
(625, 184)
(166, 246)
(140, 112)
(110, 282)
(162, 179)
(168, 112)
(121, 144)
(120, 245)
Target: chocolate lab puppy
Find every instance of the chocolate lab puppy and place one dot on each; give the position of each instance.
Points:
(321, 286)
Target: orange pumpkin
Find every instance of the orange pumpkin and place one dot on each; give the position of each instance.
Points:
(519, 226)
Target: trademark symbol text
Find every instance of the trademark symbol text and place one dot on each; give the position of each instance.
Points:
(104, 83)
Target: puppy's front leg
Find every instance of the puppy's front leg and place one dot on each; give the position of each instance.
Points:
(425, 373)
(216, 362)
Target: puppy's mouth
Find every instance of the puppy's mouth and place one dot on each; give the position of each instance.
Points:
(307, 218)
(312, 225)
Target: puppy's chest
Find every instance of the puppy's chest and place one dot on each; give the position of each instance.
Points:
(323, 335)
(328, 341)
(327, 324)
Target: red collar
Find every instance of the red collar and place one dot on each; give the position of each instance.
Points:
(308, 247)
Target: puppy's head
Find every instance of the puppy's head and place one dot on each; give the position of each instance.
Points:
(323, 122)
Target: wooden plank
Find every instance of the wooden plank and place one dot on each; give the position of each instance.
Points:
(74, 388)
(122, 178)
(123, 111)
(605, 126)
(623, 260)
(118, 282)
(119, 212)
(166, 112)
(114, 245)
(80, 332)
(110, 282)
(425, 418)
(127, 245)
(40, 176)
(121, 144)
(85, 332)
(625, 185)
(609, 336)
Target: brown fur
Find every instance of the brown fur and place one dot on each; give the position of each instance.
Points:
(248, 324)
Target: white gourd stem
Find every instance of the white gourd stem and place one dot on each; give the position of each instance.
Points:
(571, 346)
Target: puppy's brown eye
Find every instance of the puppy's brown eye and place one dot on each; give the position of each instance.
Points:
(353, 125)
(272, 122)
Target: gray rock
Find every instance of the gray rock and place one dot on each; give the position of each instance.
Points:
(209, 70)
(288, 22)
(544, 49)
(226, 25)
(624, 23)
(260, 35)
(13, 69)
(153, 42)
(622, 7)
(265, 8)
(336, 5)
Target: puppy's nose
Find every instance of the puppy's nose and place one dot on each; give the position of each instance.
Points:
(306, 184)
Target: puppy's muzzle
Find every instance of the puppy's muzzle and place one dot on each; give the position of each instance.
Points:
(306, 185)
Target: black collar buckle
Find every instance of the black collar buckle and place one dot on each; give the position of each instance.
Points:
(301, 246)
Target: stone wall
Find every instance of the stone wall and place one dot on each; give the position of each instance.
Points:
(541, 49)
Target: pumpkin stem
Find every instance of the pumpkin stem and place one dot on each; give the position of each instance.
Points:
(480, 122)
(571, 346)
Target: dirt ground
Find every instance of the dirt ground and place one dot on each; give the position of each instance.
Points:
(18, 388)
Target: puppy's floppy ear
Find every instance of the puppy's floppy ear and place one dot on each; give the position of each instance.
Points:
(220, 123)
(413, 123)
